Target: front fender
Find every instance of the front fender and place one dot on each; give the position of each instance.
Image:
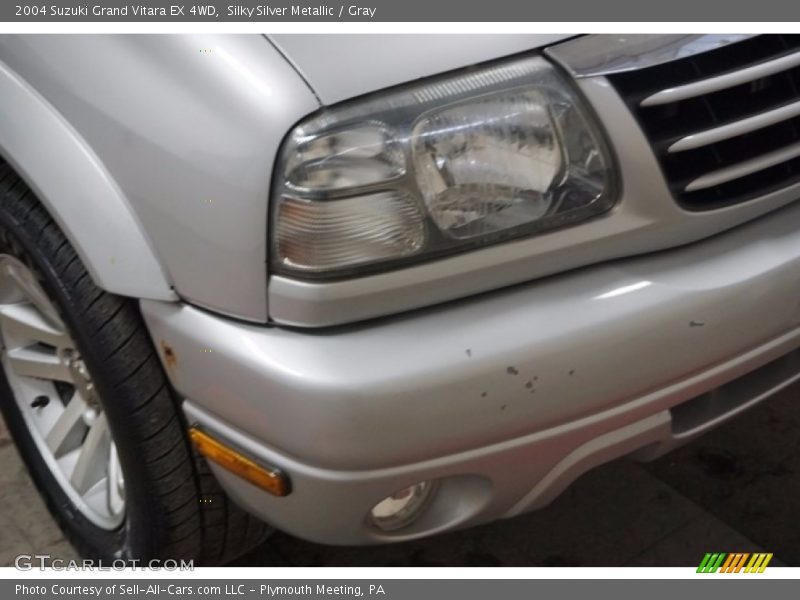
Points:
(74, 186)
(186, 128)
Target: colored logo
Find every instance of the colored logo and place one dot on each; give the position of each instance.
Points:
(735, 562)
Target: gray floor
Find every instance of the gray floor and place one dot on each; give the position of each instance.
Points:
(737, 489)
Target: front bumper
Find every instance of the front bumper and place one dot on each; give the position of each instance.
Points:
(507, 397)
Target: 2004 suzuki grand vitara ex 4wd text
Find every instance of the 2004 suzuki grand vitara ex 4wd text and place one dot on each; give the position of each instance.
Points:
(370, 288)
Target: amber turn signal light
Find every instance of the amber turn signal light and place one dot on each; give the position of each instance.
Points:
(268, 479)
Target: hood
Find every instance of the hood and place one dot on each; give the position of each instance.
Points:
(338, 67)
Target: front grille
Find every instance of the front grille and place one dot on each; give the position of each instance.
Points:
(725, 124)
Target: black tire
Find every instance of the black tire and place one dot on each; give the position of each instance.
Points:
(174, 506)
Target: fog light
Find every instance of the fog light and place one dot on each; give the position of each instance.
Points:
(403, 507)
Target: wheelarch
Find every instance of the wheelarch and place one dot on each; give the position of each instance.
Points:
(73, 185)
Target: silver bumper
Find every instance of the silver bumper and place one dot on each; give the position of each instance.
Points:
(506, 397)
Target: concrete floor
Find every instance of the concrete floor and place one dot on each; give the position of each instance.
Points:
(736, 489)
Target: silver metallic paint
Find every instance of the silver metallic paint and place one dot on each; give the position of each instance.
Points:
(178, 149)
(593, 55)
(521, 360)
(500, 480)
(340, 67)
(75, 187)
(187, 128)
(477, 486)
(547, 380)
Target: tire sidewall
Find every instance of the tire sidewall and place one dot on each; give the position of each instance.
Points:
(133, 537)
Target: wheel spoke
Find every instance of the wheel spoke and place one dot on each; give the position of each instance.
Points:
(114, 483)
(67, 422)
(31, 289)
(24, 320)
(66, 433)
(38, 362)
(93, 459)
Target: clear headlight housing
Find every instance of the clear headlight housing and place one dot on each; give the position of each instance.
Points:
(430, 169)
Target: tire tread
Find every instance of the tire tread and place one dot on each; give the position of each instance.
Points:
(178, 480)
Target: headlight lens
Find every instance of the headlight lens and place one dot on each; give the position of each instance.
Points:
(330, 235)
(488, 164)
(468, 160)
(345, 159)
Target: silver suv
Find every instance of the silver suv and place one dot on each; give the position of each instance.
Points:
(371, 288)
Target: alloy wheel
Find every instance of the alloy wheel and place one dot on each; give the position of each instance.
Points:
(57, 397)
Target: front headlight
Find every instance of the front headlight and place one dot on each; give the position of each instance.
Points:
(471, 159)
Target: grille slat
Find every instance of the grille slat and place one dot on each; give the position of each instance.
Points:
(724, 124)
(730, 130)
(722, 82)
(743, 169)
